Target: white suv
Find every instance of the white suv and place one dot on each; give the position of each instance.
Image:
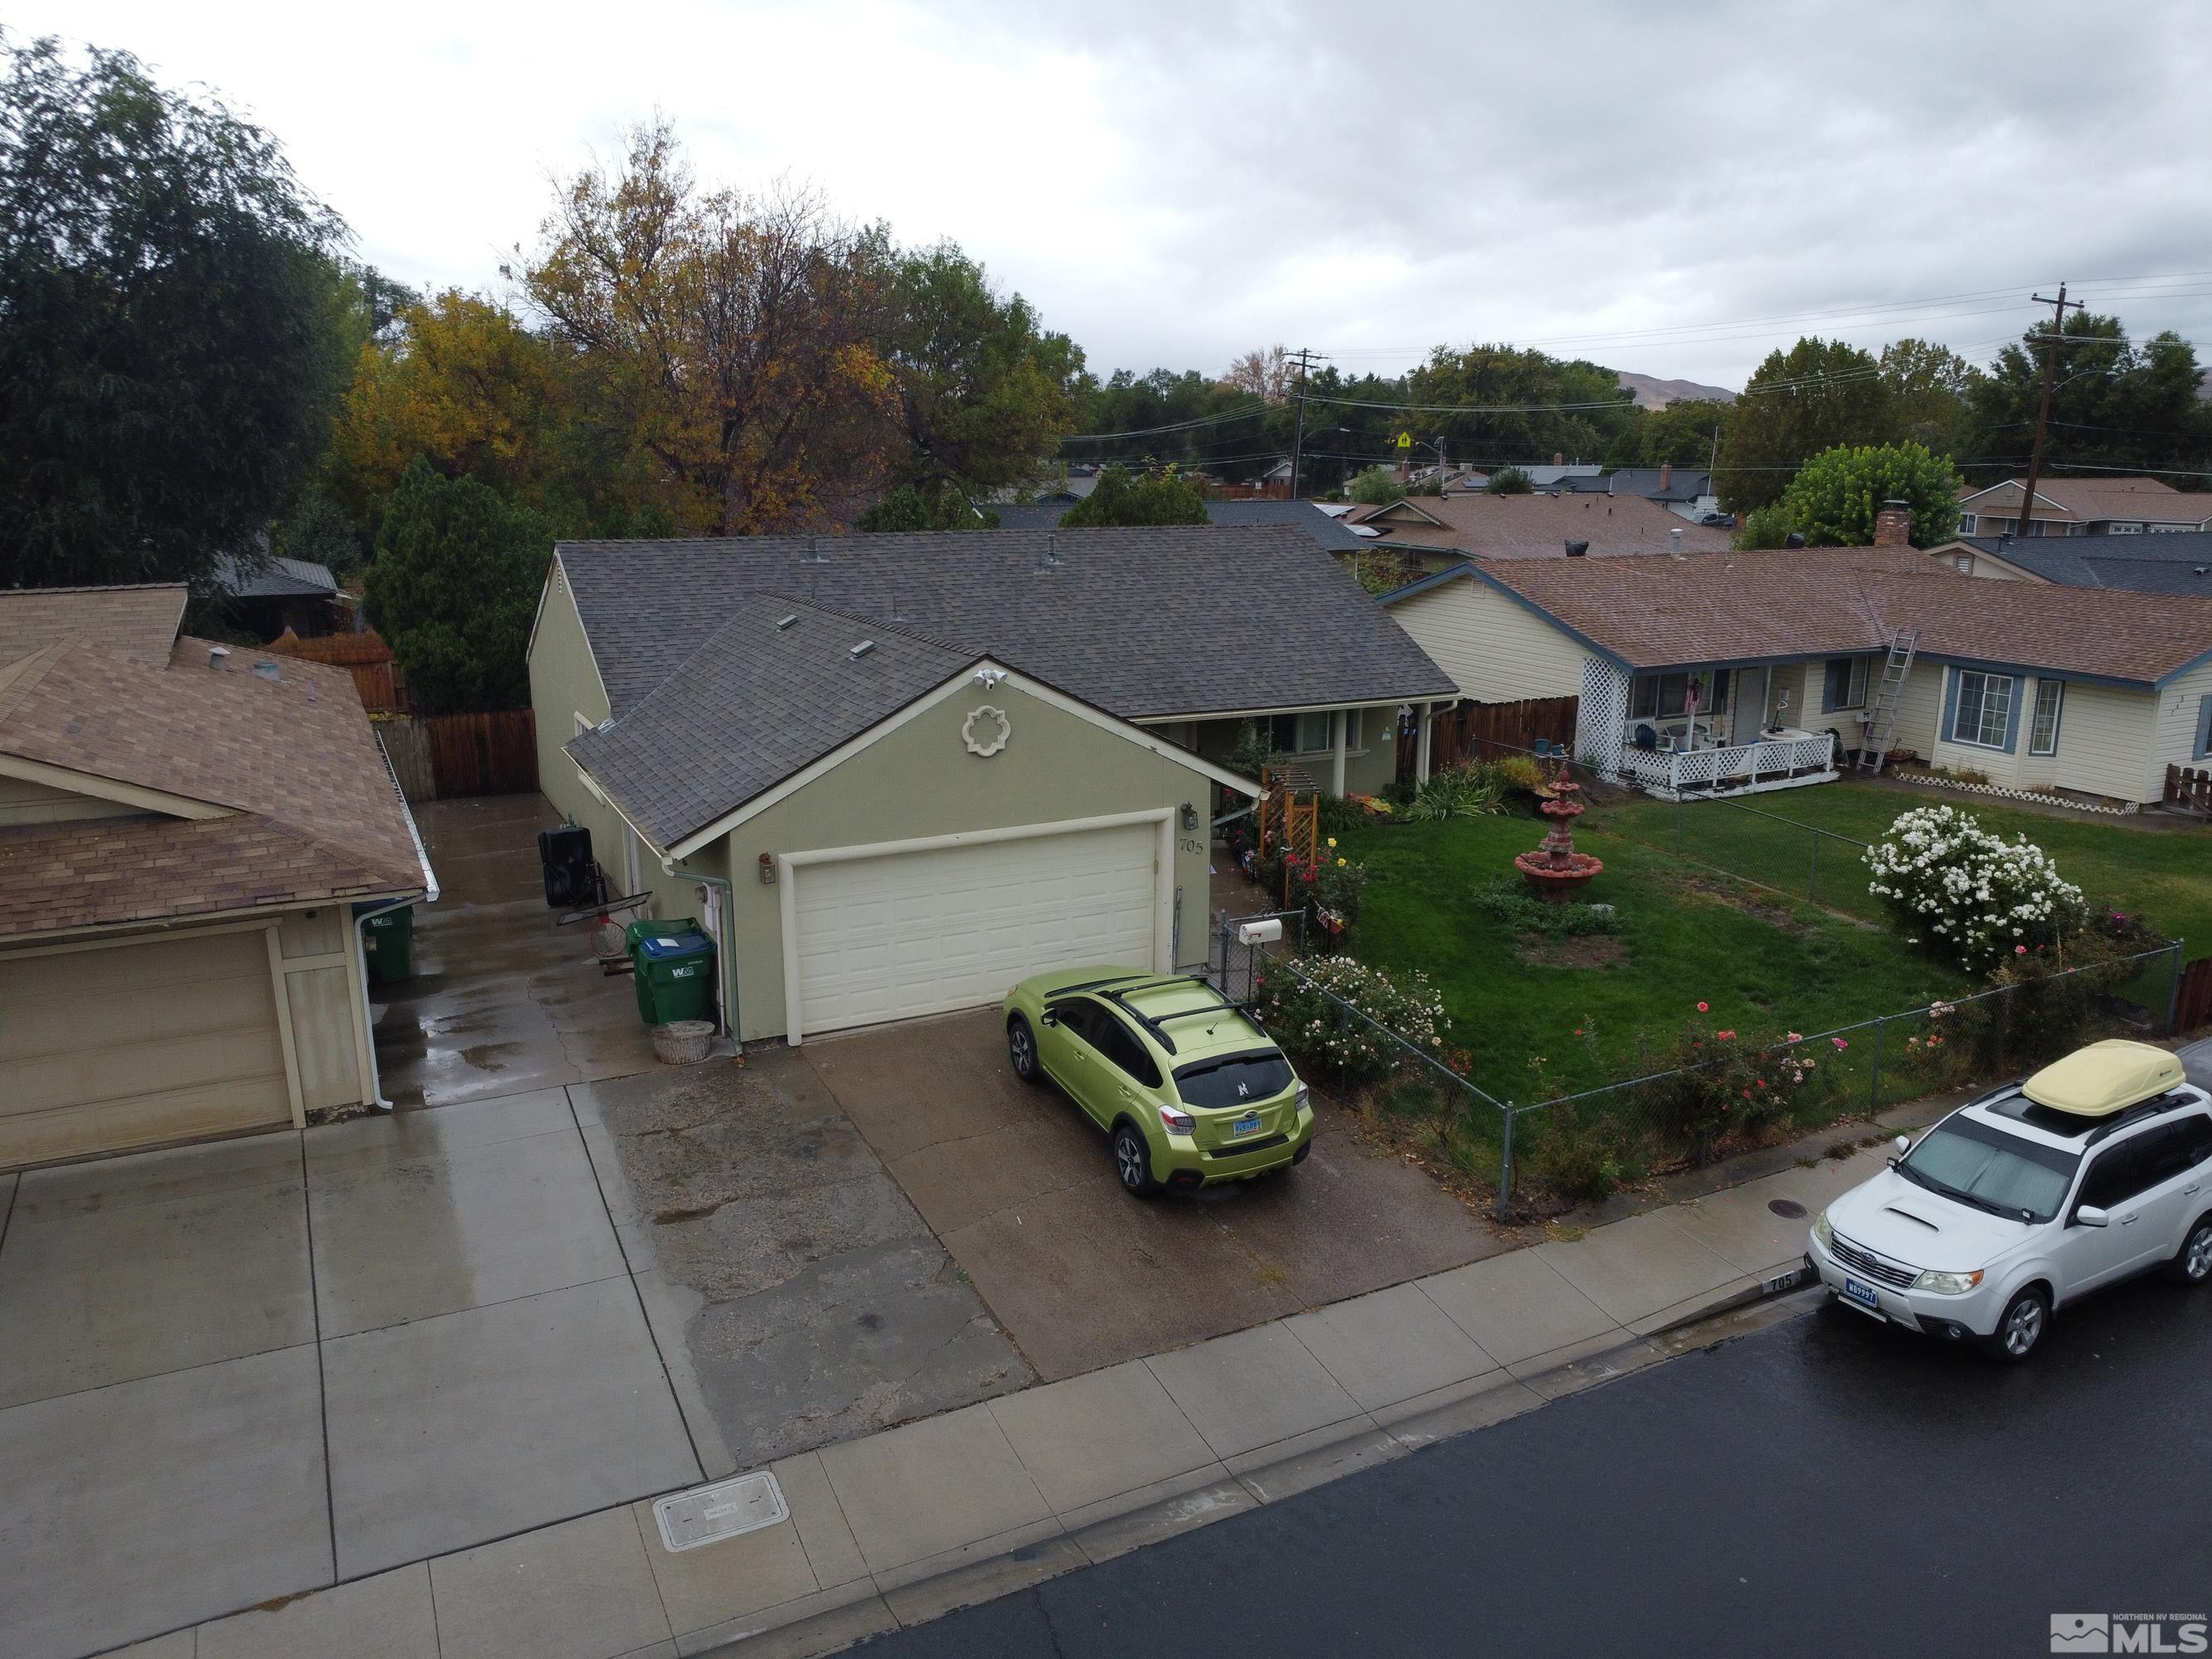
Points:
(2012, 1207)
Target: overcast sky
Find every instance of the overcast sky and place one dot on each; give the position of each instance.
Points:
(1674, 191)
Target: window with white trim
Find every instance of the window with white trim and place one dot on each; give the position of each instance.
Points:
(1844, 684)
(1966, 524)
(2043, 733)
(1984, 710)
(1667, 697)
(1307, 733)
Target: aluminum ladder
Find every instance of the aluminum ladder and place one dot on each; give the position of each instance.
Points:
(1881, 719)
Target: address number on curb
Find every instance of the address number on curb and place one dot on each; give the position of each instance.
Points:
(1781, 1282)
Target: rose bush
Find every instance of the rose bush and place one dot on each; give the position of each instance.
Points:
(1303, 1004)
(1966, 892)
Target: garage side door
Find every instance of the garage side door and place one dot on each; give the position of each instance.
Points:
(909, 933)
(136, 1044)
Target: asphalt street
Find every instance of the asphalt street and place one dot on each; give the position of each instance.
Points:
(1825, 1486)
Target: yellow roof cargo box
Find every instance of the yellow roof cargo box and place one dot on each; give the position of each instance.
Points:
(2105, 1077)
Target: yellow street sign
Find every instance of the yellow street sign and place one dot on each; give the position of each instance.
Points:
(1405, 440)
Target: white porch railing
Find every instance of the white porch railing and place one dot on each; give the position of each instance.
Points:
(1738, 768)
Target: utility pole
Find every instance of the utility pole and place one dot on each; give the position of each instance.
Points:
(2059, 308)
(1304, 360)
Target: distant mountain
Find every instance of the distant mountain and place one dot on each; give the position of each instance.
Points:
(1652, 392)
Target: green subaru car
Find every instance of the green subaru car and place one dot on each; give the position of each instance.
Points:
(1187, 1084)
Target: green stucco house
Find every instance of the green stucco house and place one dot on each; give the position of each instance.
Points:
(893, 774)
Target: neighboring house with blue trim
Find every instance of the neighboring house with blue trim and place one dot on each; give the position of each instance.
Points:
(2177, 561)
(1751, 671)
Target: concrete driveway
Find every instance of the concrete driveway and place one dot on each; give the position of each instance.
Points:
(235, 1372)
(797, 1297)
(502, 1000)
(1018, 1185)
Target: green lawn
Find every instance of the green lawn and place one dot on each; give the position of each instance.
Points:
(1763, 965)
(2165, 873)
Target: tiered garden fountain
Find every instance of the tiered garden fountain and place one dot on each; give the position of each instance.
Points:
(1554, 869)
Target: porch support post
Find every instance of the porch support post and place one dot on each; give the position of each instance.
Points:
(1421, 744)
(1339, 720)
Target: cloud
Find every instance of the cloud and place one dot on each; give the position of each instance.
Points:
(1671, 191)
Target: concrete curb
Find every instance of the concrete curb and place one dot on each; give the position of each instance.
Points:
(835, 1619)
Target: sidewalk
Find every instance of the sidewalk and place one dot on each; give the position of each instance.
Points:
(903, 1525)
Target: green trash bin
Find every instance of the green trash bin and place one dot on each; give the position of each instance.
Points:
(389, 940)
(673, 963)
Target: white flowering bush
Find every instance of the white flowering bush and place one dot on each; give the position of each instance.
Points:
(1303, 1005)
(1967, 893)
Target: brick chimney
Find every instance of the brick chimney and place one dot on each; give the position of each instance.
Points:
(1558, 458)
(1892, 525)
(1666, 477)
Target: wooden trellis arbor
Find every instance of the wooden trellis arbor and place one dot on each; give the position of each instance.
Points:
(1289, 813)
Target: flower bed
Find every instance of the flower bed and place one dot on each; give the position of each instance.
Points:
(1297, 1002)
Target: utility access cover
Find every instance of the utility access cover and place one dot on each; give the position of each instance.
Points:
(706, 1514)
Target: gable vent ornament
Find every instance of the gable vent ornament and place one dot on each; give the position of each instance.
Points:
(986, 731)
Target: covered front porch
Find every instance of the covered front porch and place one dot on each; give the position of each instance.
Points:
(1730, 729)
(1344, 749)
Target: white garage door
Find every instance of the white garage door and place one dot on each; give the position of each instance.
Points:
(137, 1044)
(908, 933)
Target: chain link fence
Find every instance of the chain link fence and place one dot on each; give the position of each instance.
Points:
(1797, 861)
(1750, 1089)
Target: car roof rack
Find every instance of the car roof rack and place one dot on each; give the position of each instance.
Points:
(1119, 993)
(2076, 1126)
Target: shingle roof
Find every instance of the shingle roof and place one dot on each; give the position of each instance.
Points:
(1684, 484)
(2165, 563)
(1667, 613)
(1321, 526)
(760, 700)
(313, 811)
(1142, 622)
(1539, 526)
(273, 576)
(137, 622)
(2093, 500)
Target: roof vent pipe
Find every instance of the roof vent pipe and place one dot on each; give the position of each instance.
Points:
(218, 656)
(1674, 543)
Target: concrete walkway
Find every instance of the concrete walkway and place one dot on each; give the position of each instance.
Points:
(909, 1522)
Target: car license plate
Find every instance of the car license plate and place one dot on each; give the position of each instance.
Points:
(1248, 1124)
(1862, 1293)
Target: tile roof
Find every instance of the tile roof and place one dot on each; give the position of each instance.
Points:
(1539, 526)
(2169, 563)
(1141, 623)
(760, 700)
(313, 812)
(1666, 613)
(1323, 527)
(139, 622)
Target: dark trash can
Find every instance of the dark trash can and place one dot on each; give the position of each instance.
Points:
(389, 941)
(674, 968)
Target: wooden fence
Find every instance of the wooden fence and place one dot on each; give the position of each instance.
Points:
(2192, 997)
(437, 756)
(365, 655)
(2189, 787)
(1486, 729)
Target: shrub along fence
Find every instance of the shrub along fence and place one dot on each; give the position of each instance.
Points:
(1748, 1090)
